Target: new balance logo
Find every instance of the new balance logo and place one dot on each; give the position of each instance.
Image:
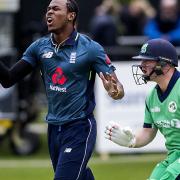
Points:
(68, 150)
(47, 55)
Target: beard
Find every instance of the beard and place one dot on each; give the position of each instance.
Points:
(58, 28)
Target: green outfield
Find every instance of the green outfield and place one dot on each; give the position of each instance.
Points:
(38, 166)
(116, 167)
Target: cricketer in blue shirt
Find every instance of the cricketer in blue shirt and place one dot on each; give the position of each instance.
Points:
(68, 62)
(68, 73)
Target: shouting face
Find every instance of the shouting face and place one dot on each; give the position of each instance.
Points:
(57, 16)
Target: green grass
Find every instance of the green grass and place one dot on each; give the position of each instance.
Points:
(138, 171)
(126, 167)
(38, 166)
(26, 174)
(119, 167)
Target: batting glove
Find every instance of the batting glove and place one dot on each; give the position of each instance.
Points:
(121, 136)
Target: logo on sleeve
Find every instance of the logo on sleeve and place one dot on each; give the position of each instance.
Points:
(172, 107)
(108, 61)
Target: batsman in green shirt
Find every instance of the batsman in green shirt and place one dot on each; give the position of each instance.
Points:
(162, 108)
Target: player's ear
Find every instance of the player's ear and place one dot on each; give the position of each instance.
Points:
(71, 16)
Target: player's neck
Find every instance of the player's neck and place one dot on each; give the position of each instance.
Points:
(62, 36)
(165, 79)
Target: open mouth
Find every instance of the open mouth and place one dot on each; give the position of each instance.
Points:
(49, 21)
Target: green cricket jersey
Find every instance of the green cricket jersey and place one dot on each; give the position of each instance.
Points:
(163, 112)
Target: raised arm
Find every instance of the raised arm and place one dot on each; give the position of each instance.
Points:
(9, 77)
(112, 85)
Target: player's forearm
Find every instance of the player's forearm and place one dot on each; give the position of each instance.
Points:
(5, 75)
(9, 77)
(144, 137)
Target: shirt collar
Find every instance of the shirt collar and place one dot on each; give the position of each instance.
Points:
(69, 41)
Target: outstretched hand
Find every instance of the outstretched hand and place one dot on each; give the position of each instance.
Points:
(122, 136)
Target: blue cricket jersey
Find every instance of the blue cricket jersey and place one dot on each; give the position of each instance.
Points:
(68, 71)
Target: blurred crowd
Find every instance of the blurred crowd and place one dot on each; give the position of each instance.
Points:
(152, 19)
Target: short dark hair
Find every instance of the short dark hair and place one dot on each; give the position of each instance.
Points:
(72, 6)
